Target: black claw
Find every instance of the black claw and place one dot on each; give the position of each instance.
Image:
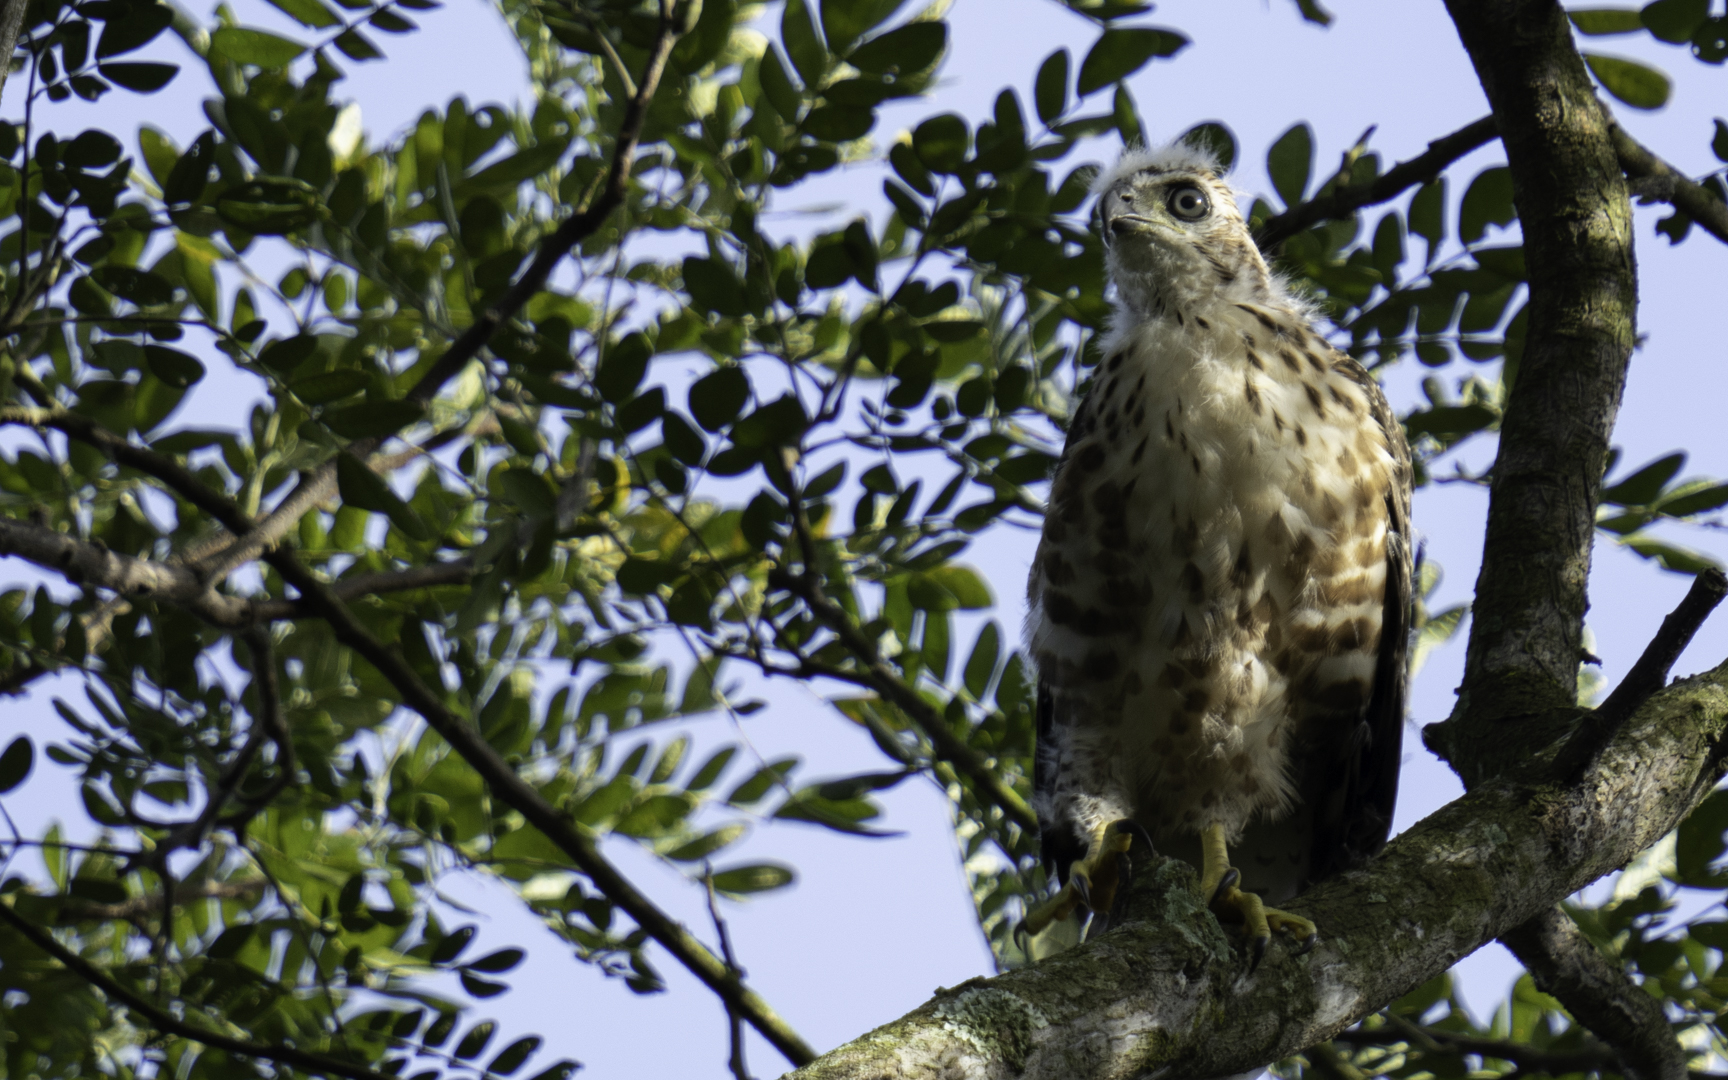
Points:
(1082, 888)
(1256, 952)
(1125, 881)
(1226, 883)
(1138, 831)
(1022, 938)
(1307, 945)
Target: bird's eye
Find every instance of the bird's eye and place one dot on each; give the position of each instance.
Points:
(1188, 202)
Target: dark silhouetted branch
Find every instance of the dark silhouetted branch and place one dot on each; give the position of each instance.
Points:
(1600, 995)
(162, 1020)
(1661, 181)
(1345, 199)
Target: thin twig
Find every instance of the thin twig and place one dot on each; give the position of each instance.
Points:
(1670, 185)
(1527, 1058)
(1345, 199)
(879, 675)
(165, 1022)
(735, 1061)
(1648, 675)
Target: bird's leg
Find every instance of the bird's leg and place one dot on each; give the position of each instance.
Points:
(1219, 883)
(1092, 881)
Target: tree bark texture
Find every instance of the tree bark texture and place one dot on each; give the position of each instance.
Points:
(1169, 988)
(1526, 634)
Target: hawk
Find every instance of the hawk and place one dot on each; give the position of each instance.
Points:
(1219, 607)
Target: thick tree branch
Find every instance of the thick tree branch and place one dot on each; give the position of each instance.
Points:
(151, 1015)
(1168, 992)
(1526, 631)
(1528, 1058)
(1600, 995)
(1345, 199)
(85, 562)
(1661, 181)
(879, 675)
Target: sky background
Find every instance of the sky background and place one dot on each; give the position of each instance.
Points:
(872, 927)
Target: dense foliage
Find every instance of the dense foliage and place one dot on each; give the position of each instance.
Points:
(498, 498)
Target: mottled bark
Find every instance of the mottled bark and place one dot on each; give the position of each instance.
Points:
(1527, 624)
(1169, 987)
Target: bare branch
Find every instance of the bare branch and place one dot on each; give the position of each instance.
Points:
(136, 907)
(84, 562)
(1670, 185)
(1344, 199)
(881, 676)
(1167, 988)
(1647, 675)
(164, 1021)
(1600, 995)
(1528, 1058)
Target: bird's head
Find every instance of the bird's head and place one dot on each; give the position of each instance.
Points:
(1173, 234)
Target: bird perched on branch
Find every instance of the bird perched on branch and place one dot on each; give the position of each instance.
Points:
(1220, 600)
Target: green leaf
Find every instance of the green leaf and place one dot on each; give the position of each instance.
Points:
(1120, 53)
(141, 78)
(449, 948)
(905, 52)
(191, 173)
(798, 35)
(717, 398)
(329, 386)
(1719, 143)
(1642, 487)
(981, 665)
(137, 28)
(362, 487)
(244, 45)
(1216, 138)
(708, 843)
(372, 420)
(777, 85)
(760, 877)
(778, 423)
(310, 13)
(940, 143)
(512, 1057)
(713, 286)
(1598, 22)
(832, 123)
(1699, 844)
(1291, 162)
(497, 963)
(15, 763)
(476, 1039)
(1674, 21)
(270, 207)
(357, 46)
(964, 584)
(1488, 201)
(845, 21)
(130, 283)
(287, 354)
(1638, 86)
(1050, 90)
(172, 366)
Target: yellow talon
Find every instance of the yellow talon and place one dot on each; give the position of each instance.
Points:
(1218, 883)
(1092, 881)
